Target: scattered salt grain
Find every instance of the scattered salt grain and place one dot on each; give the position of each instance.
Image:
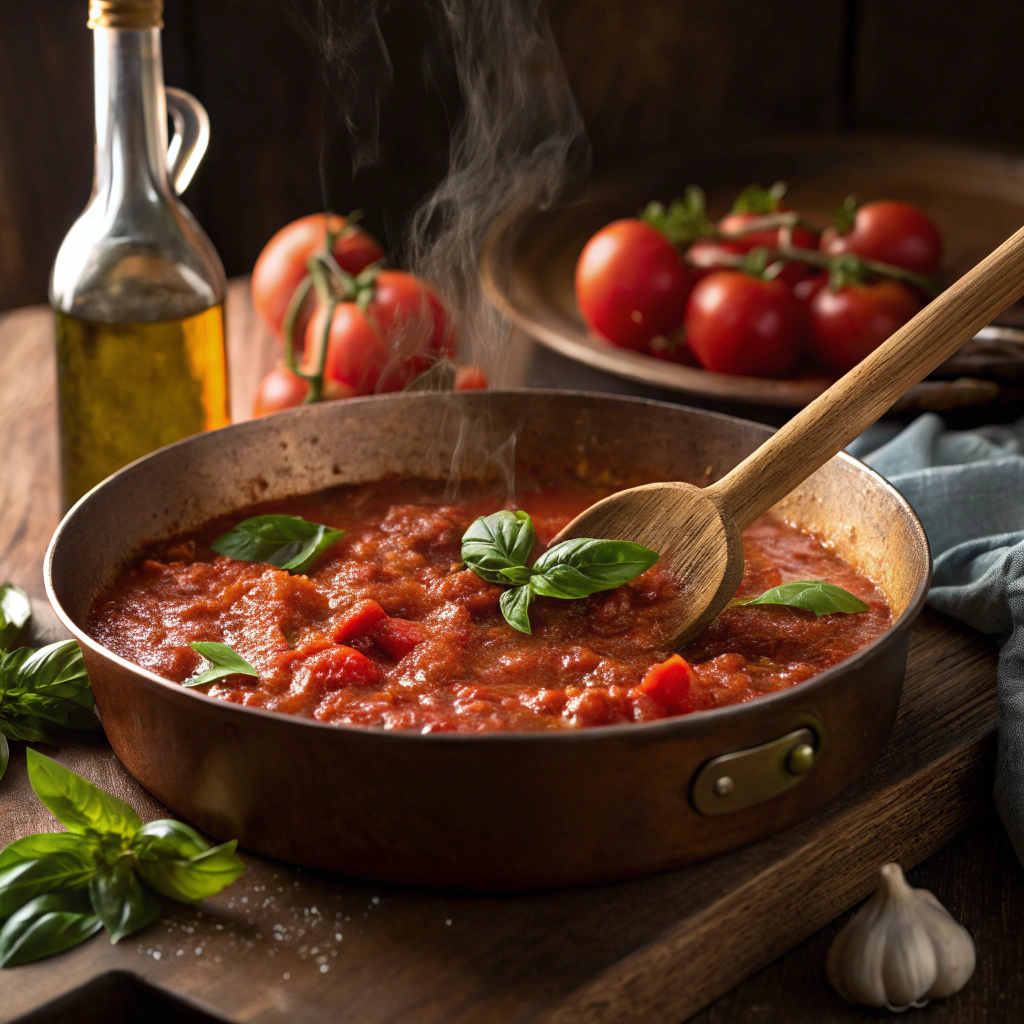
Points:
(324, 968)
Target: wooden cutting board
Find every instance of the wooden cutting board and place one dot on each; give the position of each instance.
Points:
(285, 945)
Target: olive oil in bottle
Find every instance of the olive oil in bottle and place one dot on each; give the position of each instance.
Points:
(137, 288)
(101, 367)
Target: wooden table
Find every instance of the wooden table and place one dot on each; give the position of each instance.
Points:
(288, 945)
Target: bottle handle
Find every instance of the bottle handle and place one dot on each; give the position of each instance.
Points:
(191, 137)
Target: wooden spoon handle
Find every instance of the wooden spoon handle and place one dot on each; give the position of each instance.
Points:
(856, 400)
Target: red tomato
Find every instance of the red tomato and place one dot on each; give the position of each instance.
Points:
(740, 324)
(848, 324)
(668, 684)
(631, 284)
(398, 636)
(403, 331)
(280, 389)
(895, 233)
(470, 378)
(282, 263)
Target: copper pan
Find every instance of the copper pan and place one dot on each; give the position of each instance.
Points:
(499, 811)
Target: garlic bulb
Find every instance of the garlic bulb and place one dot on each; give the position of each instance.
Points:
(901, 948)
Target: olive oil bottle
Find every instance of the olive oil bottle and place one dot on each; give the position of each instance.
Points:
(137, 288)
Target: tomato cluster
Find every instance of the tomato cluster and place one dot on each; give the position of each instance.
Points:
(349, 326)
(761, 292)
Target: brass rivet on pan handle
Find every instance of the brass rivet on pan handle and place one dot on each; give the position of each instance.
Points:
(746, 778)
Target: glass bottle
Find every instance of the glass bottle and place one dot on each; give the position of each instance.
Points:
(137, 288)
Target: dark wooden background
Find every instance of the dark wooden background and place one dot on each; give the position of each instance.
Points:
(648, 75)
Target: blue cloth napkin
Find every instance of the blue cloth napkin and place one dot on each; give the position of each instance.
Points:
(968, 490)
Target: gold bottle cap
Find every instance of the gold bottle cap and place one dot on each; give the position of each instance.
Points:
(130, 14)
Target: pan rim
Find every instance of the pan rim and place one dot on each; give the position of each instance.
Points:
(681, 725)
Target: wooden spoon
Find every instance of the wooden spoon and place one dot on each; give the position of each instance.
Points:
(697, 531)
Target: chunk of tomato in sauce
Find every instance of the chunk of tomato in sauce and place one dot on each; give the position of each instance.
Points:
(668, 685)
(358, 620)
(398, 636)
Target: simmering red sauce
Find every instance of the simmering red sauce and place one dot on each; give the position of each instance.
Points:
(445, 659)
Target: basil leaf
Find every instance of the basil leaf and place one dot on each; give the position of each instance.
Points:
(812, 595)
(5, 754)
(75, 802)
(498, 542)
(32, 847)
(15, 615)
(56, 671)
(29, 729)
(46, 925)
(192, 879)
(288, 542)
(43, 687)
(58, 710)
(166, 839)
(120, 900)
(223, 662)
(515, 606)
(576, 568)
(66, 869)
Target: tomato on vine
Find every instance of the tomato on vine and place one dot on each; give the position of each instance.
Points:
(281, 265)
(849, 323)
(631, 284)
(739, 323)
(394, 331)
(895, 233)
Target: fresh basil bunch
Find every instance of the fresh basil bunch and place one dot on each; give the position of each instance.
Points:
(812, 595)
(289, 542)
(41, 691)
(58, 888)
(496, 548)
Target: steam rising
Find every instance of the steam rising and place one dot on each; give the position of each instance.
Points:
(517, 138)
(518, 142)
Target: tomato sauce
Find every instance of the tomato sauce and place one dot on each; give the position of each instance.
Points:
(440, 657)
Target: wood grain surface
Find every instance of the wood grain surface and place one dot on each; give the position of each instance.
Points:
(288, 945)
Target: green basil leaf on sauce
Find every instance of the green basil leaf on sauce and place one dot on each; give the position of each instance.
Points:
(577, 568)
(515, 606)
(121, 901)
(289, 542)
(75, 802)
(15, 615)
(499, 542)
(812, 595)
(62, 869)
(46, 925)
(223, 662)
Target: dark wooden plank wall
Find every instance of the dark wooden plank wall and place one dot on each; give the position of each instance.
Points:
(648, 74)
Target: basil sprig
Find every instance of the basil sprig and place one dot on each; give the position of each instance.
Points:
(496, 548)
(289, 542)
(58, 888)
(812, 595)
(42, 692)
(223, 661)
